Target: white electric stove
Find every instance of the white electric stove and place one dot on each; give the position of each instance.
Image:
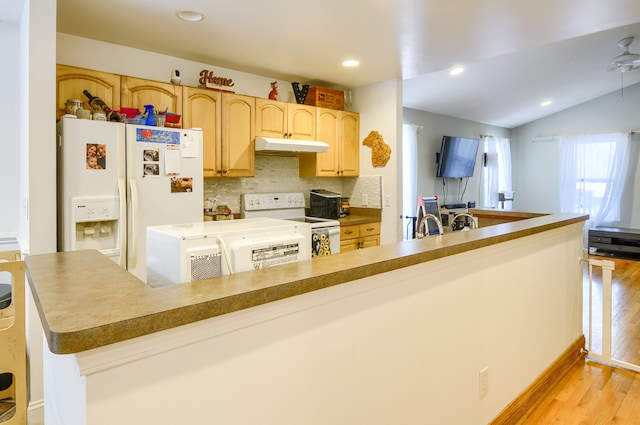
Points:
(325, 233)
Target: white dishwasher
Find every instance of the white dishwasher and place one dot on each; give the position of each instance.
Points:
(181, 253)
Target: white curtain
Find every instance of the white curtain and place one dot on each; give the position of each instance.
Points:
(593, 169)
(409, 176)
(496, 173)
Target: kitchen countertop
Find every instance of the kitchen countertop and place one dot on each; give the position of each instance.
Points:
(86, 301)
(494, 212)
(361, 216)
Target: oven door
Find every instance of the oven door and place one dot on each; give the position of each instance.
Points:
(325, 241)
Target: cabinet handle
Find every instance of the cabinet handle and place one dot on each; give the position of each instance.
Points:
(348, 232)
(370, 229)
(225, 171)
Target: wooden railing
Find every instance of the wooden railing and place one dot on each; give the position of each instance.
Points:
(605, 330)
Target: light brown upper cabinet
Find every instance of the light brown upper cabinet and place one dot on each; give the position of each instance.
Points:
(72, 81)
(137, 92)
(341, 131)
(230, 122)
(202, 108)
(238, 134)
(285, 120)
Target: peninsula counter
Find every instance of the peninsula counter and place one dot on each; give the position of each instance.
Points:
(391, 334)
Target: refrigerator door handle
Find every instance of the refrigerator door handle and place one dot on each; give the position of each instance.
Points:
(122, 197)
(134, 225)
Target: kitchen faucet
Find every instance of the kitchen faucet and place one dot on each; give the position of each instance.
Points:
(464, 227)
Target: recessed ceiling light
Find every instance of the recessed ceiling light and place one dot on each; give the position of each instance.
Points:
(546, 103)
(190, 16)
(350, 63)
(456, 71)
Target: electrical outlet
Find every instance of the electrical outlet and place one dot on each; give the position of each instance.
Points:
(365, 200)
(484, 382)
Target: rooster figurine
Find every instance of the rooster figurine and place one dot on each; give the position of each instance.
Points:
(273, 94)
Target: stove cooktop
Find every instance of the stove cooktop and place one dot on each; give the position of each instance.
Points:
(283, 205)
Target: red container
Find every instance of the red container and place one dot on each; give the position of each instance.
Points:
(172, 120)
(130, 112)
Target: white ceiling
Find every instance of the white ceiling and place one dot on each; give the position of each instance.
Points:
(516, 53)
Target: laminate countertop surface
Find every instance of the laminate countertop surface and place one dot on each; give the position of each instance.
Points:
(86, 301)
(507, 214)
(361, 216)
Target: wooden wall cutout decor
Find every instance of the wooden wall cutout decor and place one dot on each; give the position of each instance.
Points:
(210, 81)
(380, 151)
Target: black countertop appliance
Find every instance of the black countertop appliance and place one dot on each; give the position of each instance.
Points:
(324, 204)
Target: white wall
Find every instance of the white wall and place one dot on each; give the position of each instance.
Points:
(27, 162)
(433, 127)
(391, 348)
(38, 152)
(379, 107)
(536, 163)
(10, 136)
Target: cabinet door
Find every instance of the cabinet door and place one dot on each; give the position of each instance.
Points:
(349, 136)
(238, 134)
(369, 241)
(202, 109)
(349, 245)
(341, 131)
(71, 81)
(137, 92)
(301, 122)
(327, 131)
(271, 118)
(369, 235)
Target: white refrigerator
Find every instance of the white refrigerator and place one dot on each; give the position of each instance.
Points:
(115, 180)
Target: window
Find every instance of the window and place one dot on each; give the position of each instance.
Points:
(409, 175)
(592, 174)
(496, 173)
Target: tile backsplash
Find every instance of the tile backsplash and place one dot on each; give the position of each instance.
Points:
(276, 173)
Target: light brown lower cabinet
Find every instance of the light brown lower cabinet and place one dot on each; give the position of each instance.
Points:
(359, 236)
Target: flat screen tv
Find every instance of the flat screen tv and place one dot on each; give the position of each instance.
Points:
(457, 157)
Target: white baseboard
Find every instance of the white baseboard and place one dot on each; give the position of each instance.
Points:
(35, 413)
(36, 405)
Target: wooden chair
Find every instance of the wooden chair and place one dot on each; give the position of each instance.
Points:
(13, 351)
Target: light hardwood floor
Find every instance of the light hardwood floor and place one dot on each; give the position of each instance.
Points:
(592, 393)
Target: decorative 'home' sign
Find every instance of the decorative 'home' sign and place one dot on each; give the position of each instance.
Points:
(209, 81)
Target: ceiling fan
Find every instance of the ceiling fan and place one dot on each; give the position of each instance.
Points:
(627, 61)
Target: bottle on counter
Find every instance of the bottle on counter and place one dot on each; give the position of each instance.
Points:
(98, 105)
(149, 112)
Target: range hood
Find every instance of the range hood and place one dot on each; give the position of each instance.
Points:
(276, 145)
